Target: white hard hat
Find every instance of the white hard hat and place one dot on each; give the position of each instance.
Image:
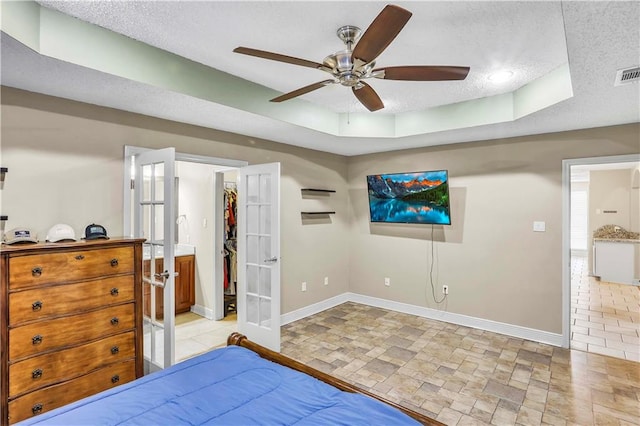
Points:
(60, 232)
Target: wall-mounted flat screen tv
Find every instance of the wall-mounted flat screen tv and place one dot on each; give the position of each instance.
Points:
(417, 197)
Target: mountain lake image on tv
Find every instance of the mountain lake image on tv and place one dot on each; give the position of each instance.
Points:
(418, 197)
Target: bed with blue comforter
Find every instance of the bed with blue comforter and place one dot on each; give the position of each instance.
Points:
(227, 386)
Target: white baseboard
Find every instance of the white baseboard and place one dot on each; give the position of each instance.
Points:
(314, 308)
(540, 336)
(202, 311)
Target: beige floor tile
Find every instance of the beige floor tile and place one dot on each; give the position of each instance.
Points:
(465, 376)
(612, 313)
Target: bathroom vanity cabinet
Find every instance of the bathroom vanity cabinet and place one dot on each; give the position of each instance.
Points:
(185, 294)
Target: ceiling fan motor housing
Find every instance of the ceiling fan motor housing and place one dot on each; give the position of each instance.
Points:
(341, 63)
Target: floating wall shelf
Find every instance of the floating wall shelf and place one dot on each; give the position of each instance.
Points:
(318, 212)
(316, 190)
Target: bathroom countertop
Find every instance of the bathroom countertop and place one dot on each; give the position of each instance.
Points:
(618, 240)
(179, 250)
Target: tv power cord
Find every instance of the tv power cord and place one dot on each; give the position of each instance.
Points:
(433, 289)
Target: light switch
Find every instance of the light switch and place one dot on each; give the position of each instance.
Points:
(539, 226)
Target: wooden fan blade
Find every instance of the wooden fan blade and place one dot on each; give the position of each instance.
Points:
(423, 73)
(368, 97)
(381, 33)
(302, 91)
(277, 57)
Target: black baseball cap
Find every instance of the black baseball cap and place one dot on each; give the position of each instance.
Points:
(94, 232)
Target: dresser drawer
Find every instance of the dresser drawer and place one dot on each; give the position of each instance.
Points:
(42, 302)
(39, 337)
(44, 370)
(37, 269)
(55, 396)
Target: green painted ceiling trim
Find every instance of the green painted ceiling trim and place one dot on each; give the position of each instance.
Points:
(538, 94)
(21, 20)
(367, 125)
(543, 92)
(59, 36)
(476, 112)
(62, 37)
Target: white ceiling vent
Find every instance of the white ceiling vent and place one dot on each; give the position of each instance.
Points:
(626, 76)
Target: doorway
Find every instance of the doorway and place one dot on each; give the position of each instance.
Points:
(600, 315)
(218, 167)
(203, 215)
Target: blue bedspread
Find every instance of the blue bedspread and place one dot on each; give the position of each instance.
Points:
(228, 386)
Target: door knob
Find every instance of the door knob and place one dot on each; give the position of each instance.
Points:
(163, 275)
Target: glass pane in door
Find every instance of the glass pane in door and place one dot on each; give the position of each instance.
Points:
(158, 221)
(265, 312)
(265, 189)
(158, 178)
(265, 282)
(146, 182)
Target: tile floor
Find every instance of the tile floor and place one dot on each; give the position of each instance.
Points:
(605, 317)
(463, 376)
(196, 334)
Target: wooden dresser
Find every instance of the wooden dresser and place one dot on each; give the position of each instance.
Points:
(70, 322)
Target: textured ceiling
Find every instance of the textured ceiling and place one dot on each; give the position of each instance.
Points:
(485, 36)
(530, 38)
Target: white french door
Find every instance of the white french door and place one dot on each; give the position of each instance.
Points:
(258, 235)
(154, 220)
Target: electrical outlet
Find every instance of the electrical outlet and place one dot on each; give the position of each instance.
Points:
(445, 289)
(326, 280)
(304, 286)
(387, 281)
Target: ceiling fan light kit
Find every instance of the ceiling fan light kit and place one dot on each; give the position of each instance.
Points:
(351, 66)
(501, 76)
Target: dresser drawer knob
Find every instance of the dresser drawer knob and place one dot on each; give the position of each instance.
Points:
(37, 271)
(37, 373)
(115, 321)
(115, 379)
(36, 340)
(37, 305)
(80, 257)
(114, 262)
(114, 291)
(36, 409)
(115, 350)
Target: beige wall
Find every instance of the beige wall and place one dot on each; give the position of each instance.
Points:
(496, 267)
(609, 191)
(609, 196)
(196, 200)
(65, 163)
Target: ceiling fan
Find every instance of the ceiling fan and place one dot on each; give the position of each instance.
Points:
(350, 67)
